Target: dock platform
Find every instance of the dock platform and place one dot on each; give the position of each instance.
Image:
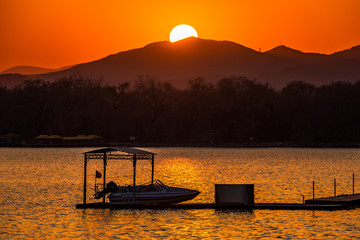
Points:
(341, 202)
(270, 206)
(351, 199)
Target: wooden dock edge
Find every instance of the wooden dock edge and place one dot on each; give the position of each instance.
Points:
(190, 206)
(346, 199)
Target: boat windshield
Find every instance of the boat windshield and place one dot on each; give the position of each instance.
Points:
(160, 185)
(157, 186)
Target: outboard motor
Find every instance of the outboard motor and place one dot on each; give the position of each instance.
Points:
(110, 187)
(100, 194)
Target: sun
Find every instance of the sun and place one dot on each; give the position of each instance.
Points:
(182, 31)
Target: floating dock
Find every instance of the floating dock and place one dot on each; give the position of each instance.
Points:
(343, 202)
(351, 199)
(189, 206)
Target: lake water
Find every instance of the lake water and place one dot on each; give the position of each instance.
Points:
(40, 188)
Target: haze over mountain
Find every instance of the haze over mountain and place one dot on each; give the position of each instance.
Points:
(11, 80)
(31, 70)
(213, 60)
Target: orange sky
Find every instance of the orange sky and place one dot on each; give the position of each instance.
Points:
(62, 32)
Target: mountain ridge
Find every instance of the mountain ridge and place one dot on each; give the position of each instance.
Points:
(212, 60)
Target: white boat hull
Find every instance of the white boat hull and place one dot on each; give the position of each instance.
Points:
(153, 197)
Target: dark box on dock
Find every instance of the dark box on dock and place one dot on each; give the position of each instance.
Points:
(234, 194)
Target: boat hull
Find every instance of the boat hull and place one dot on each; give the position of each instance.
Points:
(153, 197)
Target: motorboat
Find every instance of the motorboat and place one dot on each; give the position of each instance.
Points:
(153, 193)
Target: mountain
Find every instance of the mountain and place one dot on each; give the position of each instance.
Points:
(175, 62)
(11, 80)
(297, 56)
(31, 70)
(213, 60)
(316, 68)
(353, 52)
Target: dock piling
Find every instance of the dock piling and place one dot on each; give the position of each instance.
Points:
(334, 187)
(353, 183)
(313, 190)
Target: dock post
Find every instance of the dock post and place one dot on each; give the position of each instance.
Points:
(313, 191)
(303, 199)
(134, 177)
(104, 180)
(334, 187)
(353, 183)
(85, 163)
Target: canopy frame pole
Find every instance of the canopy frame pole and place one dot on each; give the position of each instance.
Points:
(104, 179)
(152, 169)
(85, 163)
(134, 177)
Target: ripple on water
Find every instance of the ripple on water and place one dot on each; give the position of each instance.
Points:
(40, 188)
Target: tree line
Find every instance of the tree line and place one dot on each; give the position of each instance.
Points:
(233, 110)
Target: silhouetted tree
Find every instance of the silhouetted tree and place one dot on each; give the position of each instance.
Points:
(195, 112)
(154, 102)
(234, 110)
(295, 111)
(244, 110)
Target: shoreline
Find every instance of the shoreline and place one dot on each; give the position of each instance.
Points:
(195, 145)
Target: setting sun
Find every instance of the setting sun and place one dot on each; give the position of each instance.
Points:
(182, 31)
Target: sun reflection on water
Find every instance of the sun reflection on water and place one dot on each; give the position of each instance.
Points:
(40, 188)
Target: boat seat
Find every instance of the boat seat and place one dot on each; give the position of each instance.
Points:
(149, 188)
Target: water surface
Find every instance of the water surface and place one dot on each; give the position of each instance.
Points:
(40, 188)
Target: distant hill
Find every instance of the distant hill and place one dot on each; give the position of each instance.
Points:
(297, 56)
(194, 57)
(11, 80)
(31, 70)
(315, 68)
(353, 52)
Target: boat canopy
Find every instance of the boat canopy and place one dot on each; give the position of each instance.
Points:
(118, 153)
(128, 150)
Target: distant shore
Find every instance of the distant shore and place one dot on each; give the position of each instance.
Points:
(211, 145)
